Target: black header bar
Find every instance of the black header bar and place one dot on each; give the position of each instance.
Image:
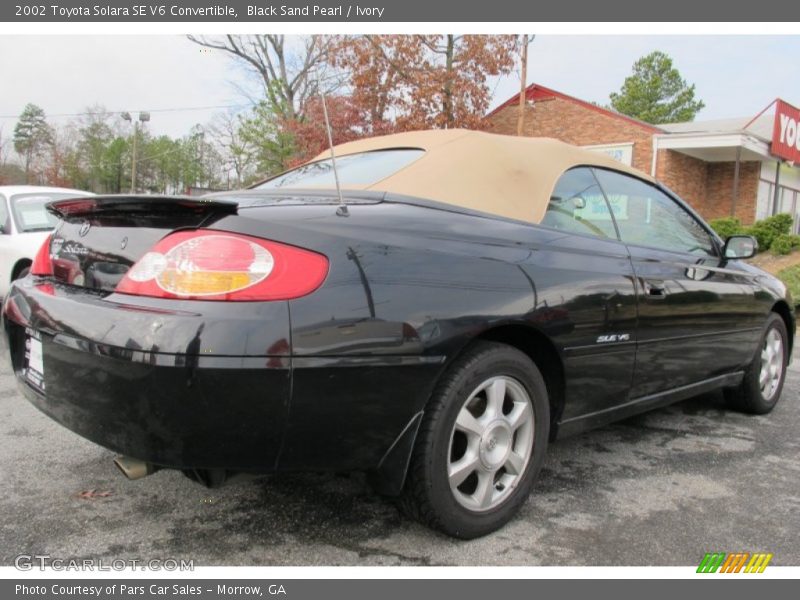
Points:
(393, 11)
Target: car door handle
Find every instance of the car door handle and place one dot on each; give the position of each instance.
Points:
(655, 290)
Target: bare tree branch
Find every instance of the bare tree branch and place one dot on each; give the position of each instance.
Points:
(287, 70)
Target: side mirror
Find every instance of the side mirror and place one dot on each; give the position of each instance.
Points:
(740, 246)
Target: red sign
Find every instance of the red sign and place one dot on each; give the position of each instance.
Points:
(786, 132)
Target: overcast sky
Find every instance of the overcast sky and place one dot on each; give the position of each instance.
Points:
(735, 75)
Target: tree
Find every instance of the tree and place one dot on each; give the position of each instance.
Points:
(201, 162)
(237, 153)
(93, 165)
(289, 70)
(656, 92)
(4, 151)
(405, 82)
(273, 145)
(32, 135)
(94, 152)
(10, 174)
(56, 169)
(172, 165)
(310, 135)
(161, 165)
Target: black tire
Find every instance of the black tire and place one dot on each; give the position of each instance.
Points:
(747, 396)
(23, 273)
(427, 496)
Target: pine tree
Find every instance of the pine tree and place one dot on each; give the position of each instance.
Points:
(32, 135)
(656, 92)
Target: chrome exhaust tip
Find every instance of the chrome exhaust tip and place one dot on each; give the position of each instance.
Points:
(133, 468)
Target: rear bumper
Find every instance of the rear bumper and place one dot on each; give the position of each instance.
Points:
(202, 403)
(183, 385)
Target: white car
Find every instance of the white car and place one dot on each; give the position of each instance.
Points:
(24, 226)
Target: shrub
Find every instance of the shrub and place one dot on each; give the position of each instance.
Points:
(766, 230)
(726, 226)
(782, 244)
(791, 277)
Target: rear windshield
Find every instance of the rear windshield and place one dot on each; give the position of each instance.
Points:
(363, 170)
(29, 210)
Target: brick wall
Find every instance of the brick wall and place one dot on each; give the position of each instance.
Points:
(707, 187)
(719, 190)
(576, 124)
(686, 176)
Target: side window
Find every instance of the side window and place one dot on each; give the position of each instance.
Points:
(577, 205)
(4, 222)
(646, 216)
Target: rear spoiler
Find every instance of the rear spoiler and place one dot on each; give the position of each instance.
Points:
(139, 204)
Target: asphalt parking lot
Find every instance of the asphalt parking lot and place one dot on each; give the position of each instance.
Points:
(659, 489)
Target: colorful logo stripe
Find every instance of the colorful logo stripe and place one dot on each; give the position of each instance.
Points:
(734, 562)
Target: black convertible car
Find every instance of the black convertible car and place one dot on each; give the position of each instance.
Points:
(471, 298)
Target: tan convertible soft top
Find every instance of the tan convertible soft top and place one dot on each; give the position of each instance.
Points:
(508, 176)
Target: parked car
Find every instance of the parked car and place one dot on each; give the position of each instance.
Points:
(24, 226)
(469, 299)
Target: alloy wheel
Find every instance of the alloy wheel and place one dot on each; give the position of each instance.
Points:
(772, 364)
(490, 444)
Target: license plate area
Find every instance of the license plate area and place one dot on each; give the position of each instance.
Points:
(34, 359)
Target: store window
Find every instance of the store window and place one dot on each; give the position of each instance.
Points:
(788, 202)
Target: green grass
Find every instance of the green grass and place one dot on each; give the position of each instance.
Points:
(791, 277)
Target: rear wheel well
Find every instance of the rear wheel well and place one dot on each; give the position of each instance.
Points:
(543, 353)
(390, 476)
(21, 265)
(783, 310)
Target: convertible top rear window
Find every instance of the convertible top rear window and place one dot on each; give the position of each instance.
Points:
(363, 169)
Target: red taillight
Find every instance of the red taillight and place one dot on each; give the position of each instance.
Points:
(42, 263)
(213, 265)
